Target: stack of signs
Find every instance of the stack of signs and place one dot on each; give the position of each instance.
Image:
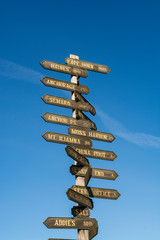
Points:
(81, 130)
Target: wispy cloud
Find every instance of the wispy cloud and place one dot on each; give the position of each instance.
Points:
(16, 71)
(141, 139)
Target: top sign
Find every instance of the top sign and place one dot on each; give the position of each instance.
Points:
(87, 65)
(58, 67)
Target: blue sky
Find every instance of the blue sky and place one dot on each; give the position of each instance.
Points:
(34, 174)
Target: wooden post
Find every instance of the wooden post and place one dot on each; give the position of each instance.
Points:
(82, 234)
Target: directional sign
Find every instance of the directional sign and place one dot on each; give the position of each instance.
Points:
(64, 120)
(79, 97)
(93, 231)
(79, 198)
(97, 192)
(76, 156)
(87, 65)
(96, 153)
(80, 211)
(81, 115)
(55, 83)
(96, 135)
(65, 139)
(87, 175)
(58, 67)
(96, 172)
(64, 102)
(72, 223)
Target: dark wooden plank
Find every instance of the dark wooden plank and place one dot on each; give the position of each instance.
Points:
(96, 172)
(79, 211)
(79, 198)
(93, 231)
(96, 153)
(87, 65)
(96, 135)
(68, 86)
(64, 120)
(81, 115)
(76, 156)
(58, 67)
(64, 102)
(79, 97)
(66, 139)
(97, 192)
(69, 223)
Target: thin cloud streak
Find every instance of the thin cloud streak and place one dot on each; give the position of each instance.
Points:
(118, 129)
(16, 71)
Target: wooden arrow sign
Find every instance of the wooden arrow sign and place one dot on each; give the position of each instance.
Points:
(58, 67)
(97, 192)
(64, 102)
(66, 139)
(79, 211)
(96, 172)
(96, 135)
(64, 120)
(55, 83)
(96, 153)
(79, 98)
(87, 65)
(69, 223)
(76, 156)
(79, 198)
(81, 115)
(93, 231)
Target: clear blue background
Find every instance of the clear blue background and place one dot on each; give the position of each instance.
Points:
(34, 174)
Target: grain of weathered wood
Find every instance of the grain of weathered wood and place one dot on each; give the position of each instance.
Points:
(58, 67)
(80, 211)
(81, 115)
(56, 83)
(79, 97)
(76, 156)
(87, 65)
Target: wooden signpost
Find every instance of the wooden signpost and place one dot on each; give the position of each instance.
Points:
(82, 130)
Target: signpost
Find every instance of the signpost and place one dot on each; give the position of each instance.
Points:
(66, 139)
(96, 172)
(58, 67)
(96, 153)
(82, 130)
(55, 83)
(64, 120)
(87, 65)
(101, 136)
(97, 192)
(79, 198)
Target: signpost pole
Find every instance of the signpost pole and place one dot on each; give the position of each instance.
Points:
(82, 234)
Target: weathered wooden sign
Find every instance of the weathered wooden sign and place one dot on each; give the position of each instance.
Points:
(96, 172)
(64, 102)
(55, 83)
(66, 139)
(79, 97)
(80, 211)
(79, 198)
(58, 67)
(81, 115)
(96, 153)
(64, 120)
(87, 65)
(76, 156)
(96, 135)
(87, 175)
(93, 231)
(69, 223)
(97, 192)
